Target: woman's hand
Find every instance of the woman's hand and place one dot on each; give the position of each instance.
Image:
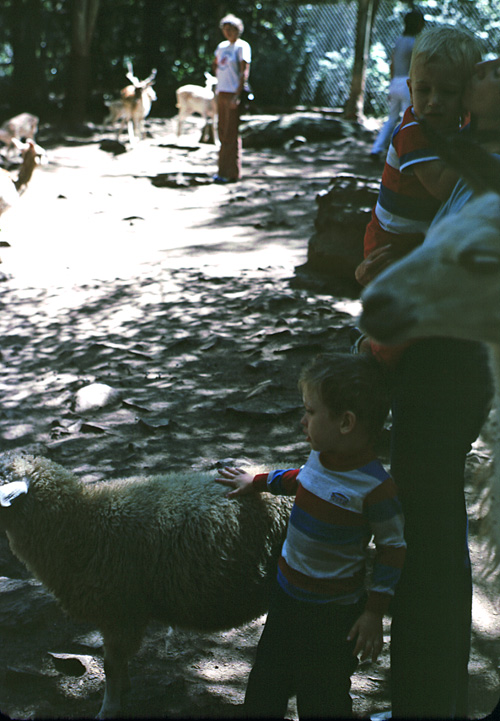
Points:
(375, 263)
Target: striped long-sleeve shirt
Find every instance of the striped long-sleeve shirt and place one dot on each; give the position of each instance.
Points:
(335, 514)
(404, 208)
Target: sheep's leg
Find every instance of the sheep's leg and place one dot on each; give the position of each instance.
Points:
(205, 132)
(118, 650)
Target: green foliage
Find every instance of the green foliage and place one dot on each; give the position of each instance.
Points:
(481, 17)
(378, 76)
(279, 46)
(179, 39)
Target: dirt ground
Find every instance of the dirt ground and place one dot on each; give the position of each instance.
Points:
(136, 271)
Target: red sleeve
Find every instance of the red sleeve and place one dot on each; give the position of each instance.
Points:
(281, 482)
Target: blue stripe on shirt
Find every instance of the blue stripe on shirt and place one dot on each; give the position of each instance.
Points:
(376, 470)
(321, 531)
(275, 485)
(407, 207)
(385, 577)
(421, 155)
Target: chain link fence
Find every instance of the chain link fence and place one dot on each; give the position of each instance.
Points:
(329, 40)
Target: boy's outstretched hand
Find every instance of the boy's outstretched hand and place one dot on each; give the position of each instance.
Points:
(368, 629)
(236, 478)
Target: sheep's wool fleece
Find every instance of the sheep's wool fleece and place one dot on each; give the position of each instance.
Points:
(170, 547)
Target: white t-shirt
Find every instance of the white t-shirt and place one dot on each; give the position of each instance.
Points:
(229, 56)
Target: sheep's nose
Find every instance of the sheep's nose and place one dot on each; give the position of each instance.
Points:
(386, 317)
(377, 302)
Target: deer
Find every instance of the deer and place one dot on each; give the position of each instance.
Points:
(21, 127)
(201, 100)
(133, 106)
(10, 189)
(450, 286)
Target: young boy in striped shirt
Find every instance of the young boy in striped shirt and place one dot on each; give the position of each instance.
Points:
(415, 180)
(321, 615)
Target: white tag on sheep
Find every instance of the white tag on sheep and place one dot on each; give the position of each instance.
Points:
(11, 491)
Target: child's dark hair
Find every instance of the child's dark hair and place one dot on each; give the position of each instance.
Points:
(414, 21)
(347, 382)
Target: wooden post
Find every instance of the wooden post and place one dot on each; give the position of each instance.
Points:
(366, 14)
(84, 15)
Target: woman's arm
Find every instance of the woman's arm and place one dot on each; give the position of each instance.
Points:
(244, 72)
(437, 178)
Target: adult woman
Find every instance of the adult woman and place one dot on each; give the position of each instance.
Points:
(231, 67)
(441, 397)
(399, 96)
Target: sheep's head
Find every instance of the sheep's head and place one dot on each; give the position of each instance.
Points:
(9, 492)
(27, 481)
(449, 286)
(13, 489)
(210, 81)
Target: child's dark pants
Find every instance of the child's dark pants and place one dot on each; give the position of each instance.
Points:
(303, 651)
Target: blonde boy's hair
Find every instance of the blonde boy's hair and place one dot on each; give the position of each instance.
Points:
(451, 45)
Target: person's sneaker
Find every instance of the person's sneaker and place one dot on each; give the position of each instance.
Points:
(222, 180)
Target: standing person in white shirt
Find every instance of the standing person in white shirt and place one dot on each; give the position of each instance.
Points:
(399, 94)
(231, 67)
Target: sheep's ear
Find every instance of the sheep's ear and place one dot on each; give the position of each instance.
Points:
(11, 491)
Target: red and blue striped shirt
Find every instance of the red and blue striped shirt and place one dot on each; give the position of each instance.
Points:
(335, 515)
(404, 208)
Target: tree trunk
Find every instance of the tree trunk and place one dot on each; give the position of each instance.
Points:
(27, 75)
(366, 15)
(84, 15)
(153, 34)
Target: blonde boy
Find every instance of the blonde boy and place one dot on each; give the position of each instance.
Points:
(415, 181)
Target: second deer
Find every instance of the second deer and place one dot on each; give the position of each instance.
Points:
(133, 106)
(201, 100)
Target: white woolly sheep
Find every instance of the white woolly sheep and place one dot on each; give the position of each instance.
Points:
(118, 554)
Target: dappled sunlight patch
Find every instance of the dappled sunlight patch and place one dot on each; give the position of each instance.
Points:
(185, 301)
(485, 614)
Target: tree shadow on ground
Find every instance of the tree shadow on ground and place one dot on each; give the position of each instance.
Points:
(206, 368)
